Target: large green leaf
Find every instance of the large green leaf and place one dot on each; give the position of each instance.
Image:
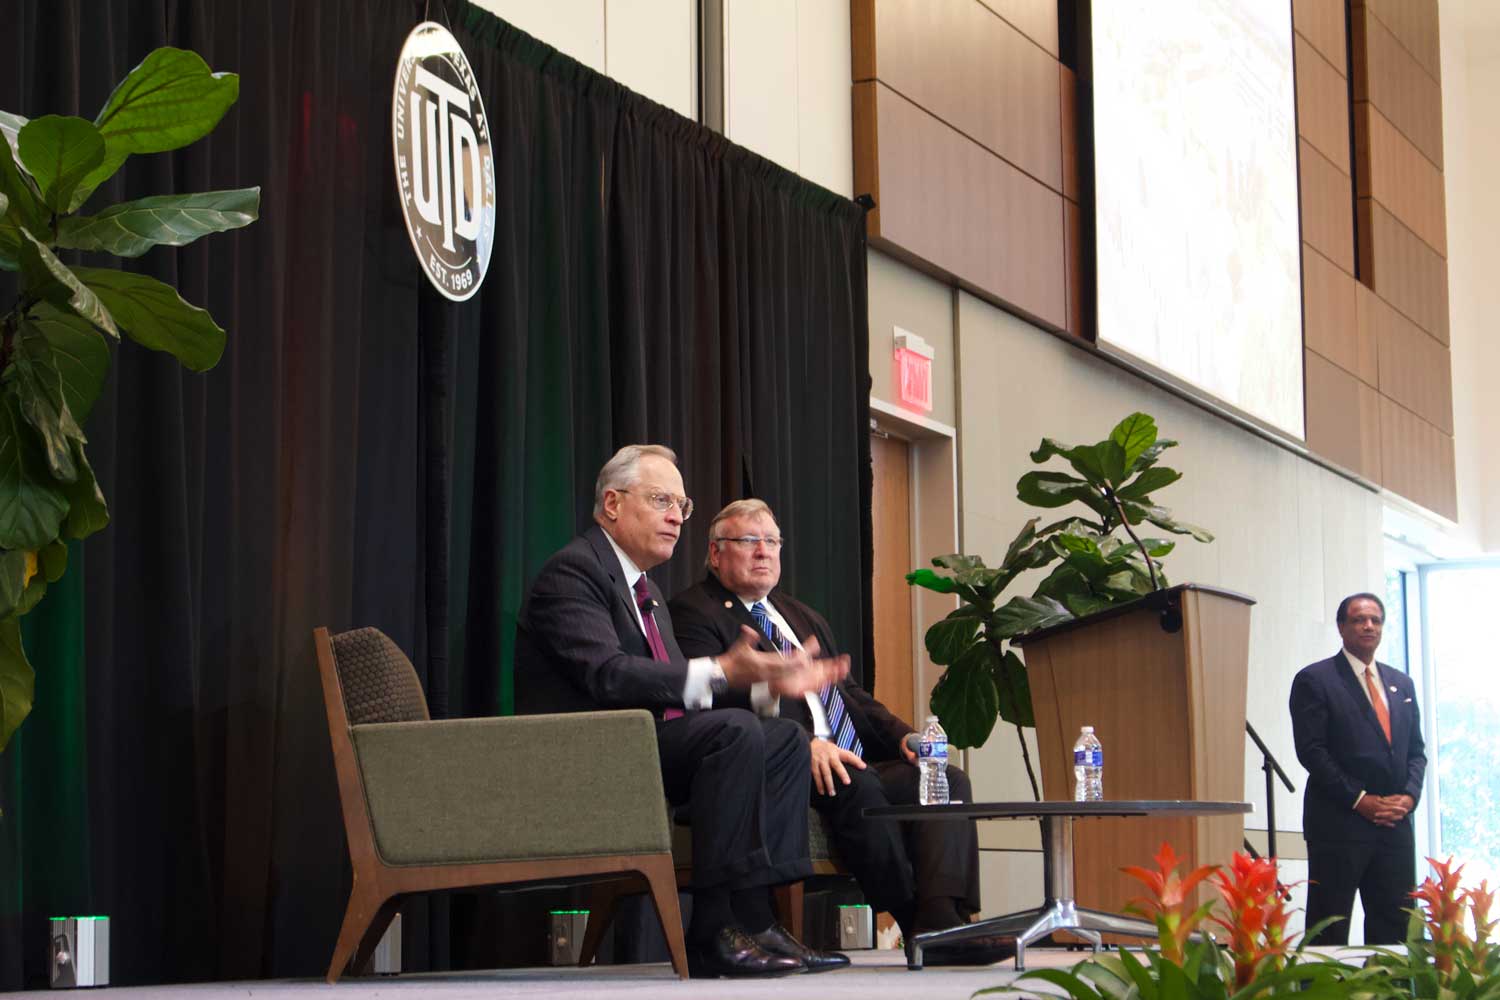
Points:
(54, 560)
(1142, 486)
(965, 700)
(13, 574)
(38, 389)
(1091, 461)
(1027, 614)
(931, 581)
(133, 227)
(48, 278)
(17, 680)
(87, 511)
(948, 639)
(1134, 435)
(170, 100)
(1162, 518)
(59, 151)
(155, 316)
(32, 506)
(23, 203)
(1013, 689)
(1058, 489)
(1153, 453)
(79, 354)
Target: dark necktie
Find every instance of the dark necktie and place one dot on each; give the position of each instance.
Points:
(839, 723)
(647, 603)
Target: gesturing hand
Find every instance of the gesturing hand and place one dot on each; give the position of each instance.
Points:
(829, 760)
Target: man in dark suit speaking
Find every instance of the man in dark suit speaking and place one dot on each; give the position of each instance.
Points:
(1358, 732)
(925, 875)
(592, 633)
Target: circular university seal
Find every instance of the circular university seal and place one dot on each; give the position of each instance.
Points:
(444, 170)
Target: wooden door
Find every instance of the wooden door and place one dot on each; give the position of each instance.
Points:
(891, 513)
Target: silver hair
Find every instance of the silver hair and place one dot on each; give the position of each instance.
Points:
(624, 470)
(739, 508)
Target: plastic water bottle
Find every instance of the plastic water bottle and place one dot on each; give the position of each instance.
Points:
(1088, 767)
(932, 761)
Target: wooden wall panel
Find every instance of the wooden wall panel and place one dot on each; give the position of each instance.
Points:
(1327, 207)
(1386, 75)
(1321, 24)
(1073, 265)
(1415, 370)
(1329, 323)
(1396, 174)
(1403, 270)
(1036, 19)
(1413, 23)
(1322, 105)
(1365, 304)
(971, 69)
(1335, 428)
(1417, 459)
(953, 205)
(1068, 125)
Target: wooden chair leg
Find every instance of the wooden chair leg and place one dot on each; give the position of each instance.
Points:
(360, 964)
(364, 905)
(604, 900)
(789, 907)
(663, 882)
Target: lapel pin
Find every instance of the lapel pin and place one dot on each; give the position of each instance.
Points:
(1393, 689)
(730, 604)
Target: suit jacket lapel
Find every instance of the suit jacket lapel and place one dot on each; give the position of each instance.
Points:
(1356, 688)
(611, 564)
(741, 614)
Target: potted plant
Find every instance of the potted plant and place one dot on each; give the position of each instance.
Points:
(54, 350)
(1095, 569)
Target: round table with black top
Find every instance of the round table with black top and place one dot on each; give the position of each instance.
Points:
(1059, 911)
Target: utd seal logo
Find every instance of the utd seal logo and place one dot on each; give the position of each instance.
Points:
(444, 169)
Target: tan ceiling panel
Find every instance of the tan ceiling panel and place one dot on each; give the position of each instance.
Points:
(1389, 77)
(1416, 460)
(1327, 207)
(1329, 322)
(1394, 173)
(1321, 22)
(1413, 23)
(1334, 426)
(1322, 105)
(1068, 126)
(1415, 370)
(1404, 271)
(951, 205)
(967, 66)
(1036, 19)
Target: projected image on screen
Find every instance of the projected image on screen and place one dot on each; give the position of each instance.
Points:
(1195, 173)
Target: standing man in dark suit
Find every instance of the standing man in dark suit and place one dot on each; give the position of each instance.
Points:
(926, 875)
(1358, 733)
(592, 634)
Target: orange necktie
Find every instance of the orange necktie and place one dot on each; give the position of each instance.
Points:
(1381, 712)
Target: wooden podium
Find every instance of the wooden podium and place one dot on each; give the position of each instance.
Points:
(1162, 681)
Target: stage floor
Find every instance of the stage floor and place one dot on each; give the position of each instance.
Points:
(874, 975)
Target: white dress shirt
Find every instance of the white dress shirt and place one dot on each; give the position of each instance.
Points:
(814, 703)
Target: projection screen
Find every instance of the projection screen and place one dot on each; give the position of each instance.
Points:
(1195, 170)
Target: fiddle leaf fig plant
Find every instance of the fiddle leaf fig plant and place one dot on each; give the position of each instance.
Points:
(54, 338)
(1092, 569)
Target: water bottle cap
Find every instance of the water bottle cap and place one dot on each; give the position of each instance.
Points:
(932, 718)
(1088, 729)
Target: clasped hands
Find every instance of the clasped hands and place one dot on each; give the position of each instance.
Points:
(1384, 810)
(793, 673)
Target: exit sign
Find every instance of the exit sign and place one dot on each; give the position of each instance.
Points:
(914, 370)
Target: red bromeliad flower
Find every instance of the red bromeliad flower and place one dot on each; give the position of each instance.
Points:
(1442, 909)
(1480, 900)
(1257, 915)
(1166, 904)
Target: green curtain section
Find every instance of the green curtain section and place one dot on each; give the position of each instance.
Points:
(45, 790)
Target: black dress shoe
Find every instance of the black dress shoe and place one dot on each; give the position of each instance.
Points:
(732, 952)
(777, 941)
(975, 951)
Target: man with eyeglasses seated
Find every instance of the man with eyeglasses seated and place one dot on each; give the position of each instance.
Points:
(926, 875)
(593, 633)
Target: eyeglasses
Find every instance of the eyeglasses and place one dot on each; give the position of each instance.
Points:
(748, 542)
(661, 501)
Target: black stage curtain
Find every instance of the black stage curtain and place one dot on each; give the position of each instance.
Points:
(368, 453)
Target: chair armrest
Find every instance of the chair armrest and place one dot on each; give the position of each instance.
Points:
(523, 788)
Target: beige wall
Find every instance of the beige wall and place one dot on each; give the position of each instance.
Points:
(651, 46)
(787, 85)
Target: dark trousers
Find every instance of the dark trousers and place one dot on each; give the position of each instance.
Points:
(1382, 872)
(744, 780)
(897, 864)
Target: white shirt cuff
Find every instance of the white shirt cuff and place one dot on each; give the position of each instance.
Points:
(698, 692)
(765, 704)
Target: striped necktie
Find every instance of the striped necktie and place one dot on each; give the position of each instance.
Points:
(839, 723)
